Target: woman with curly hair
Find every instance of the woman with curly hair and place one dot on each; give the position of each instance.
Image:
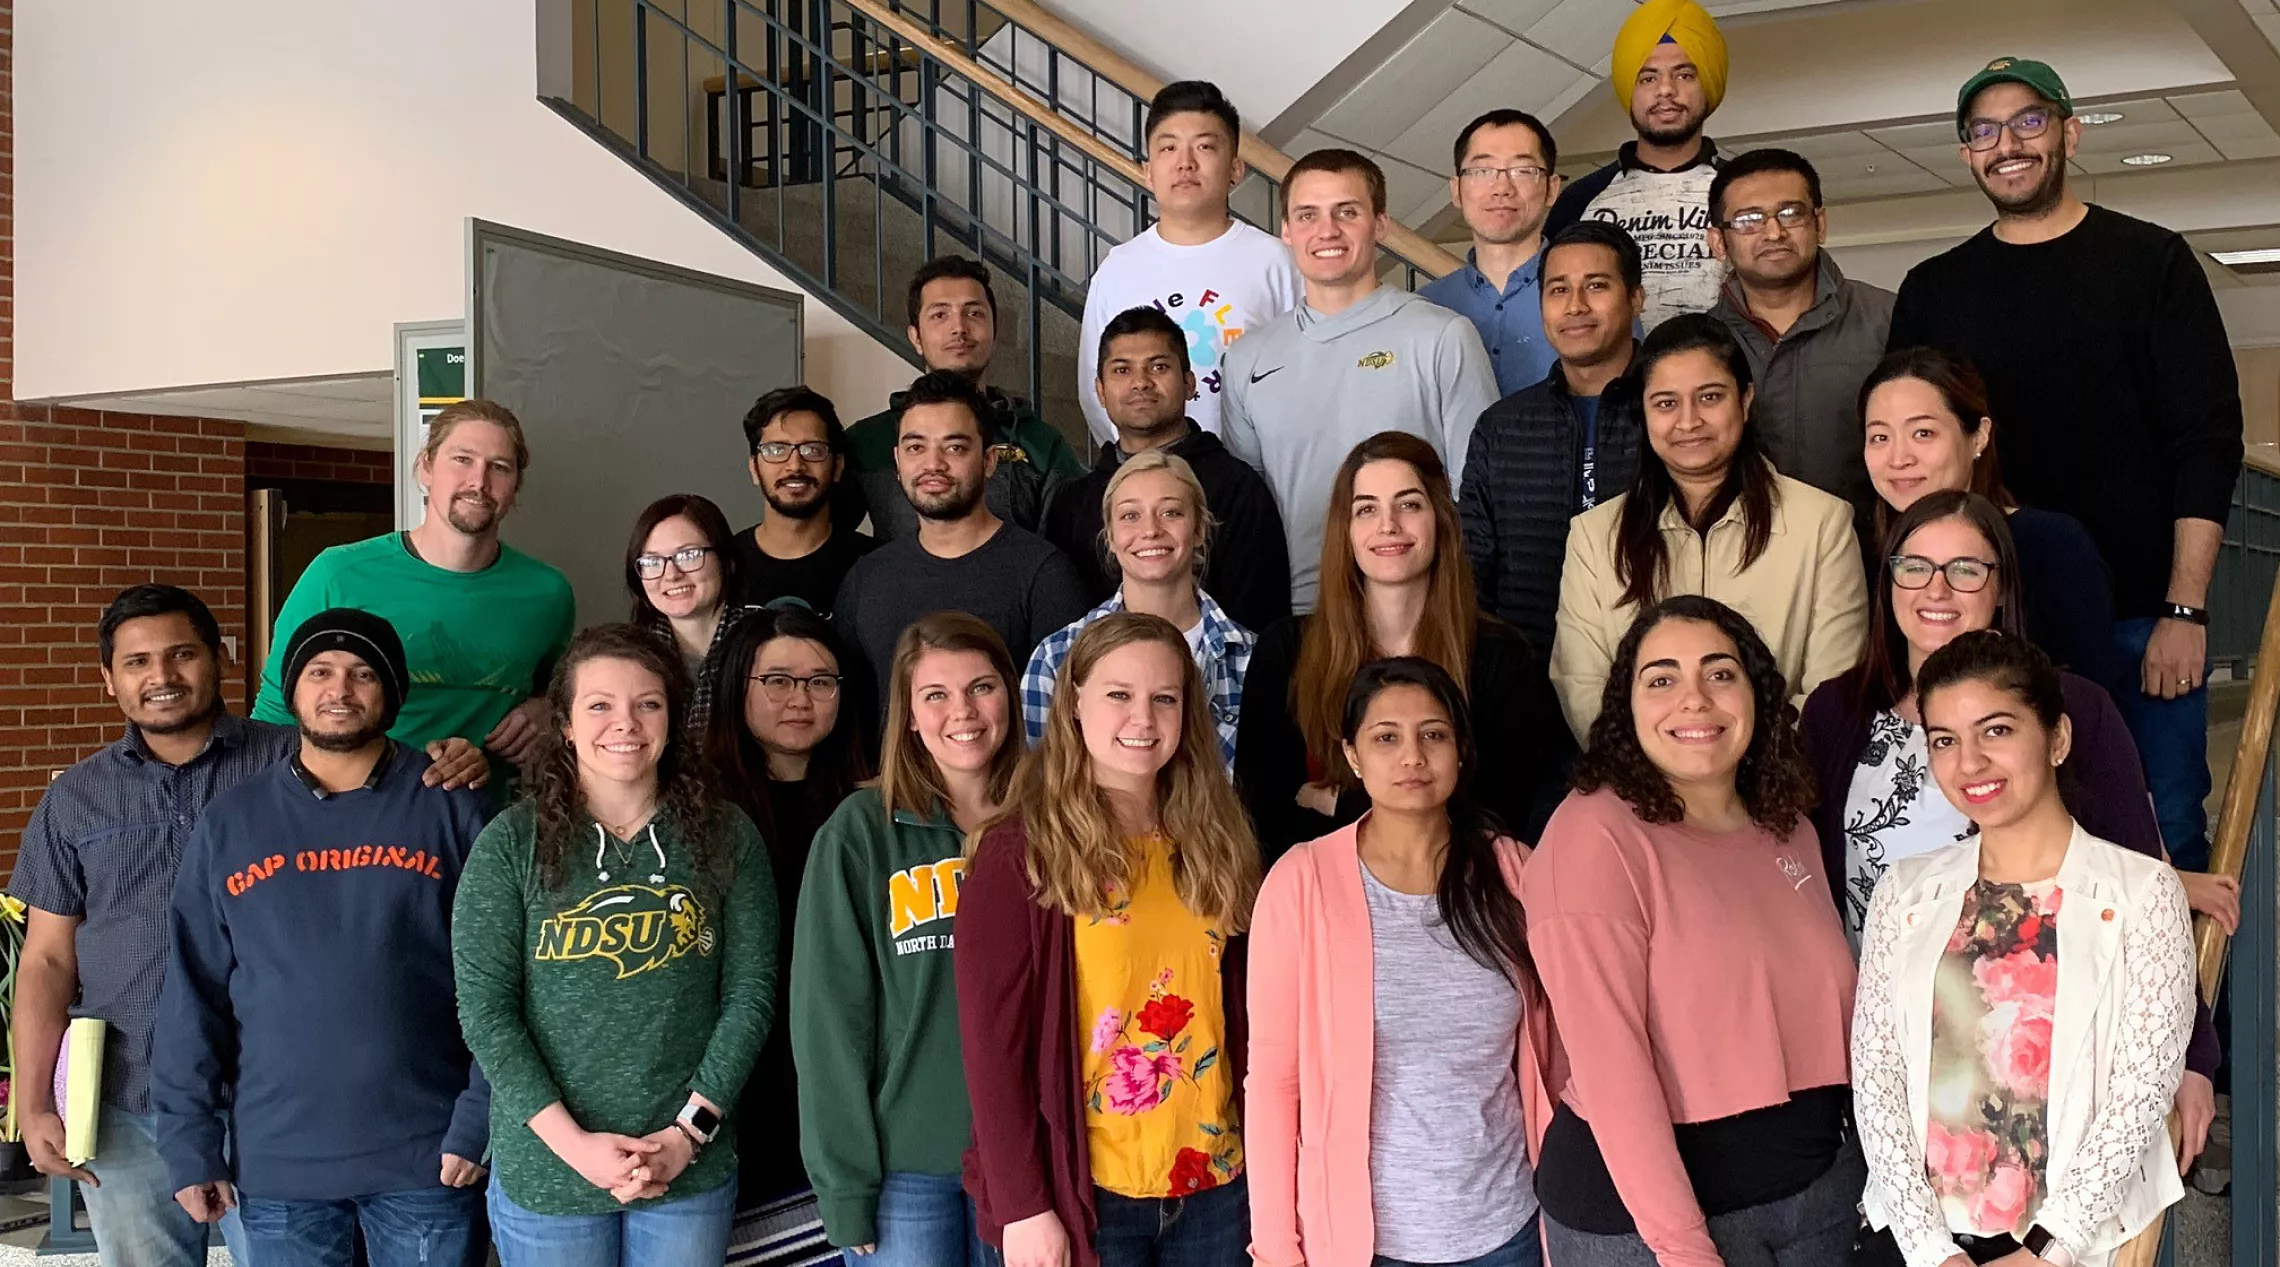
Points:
(1100, 973)
(2026, 995)
(614, 943)
(1699, 979)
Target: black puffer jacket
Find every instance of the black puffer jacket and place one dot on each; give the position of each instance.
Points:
(1522, 485)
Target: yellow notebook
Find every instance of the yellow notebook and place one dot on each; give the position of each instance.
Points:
(79, 1086)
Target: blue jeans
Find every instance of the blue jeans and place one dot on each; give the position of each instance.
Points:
(1210, 1229)
(133, 1215)
(421, 1227)
(1525, 1249)
(689, 1232)
(923, 1221)
(2173, 744)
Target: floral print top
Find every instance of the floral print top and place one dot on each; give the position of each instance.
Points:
(1159, 1097)
(1893, 810)
(1993, 997)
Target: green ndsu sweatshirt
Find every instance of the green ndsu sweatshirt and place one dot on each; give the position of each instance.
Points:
(875, 1008)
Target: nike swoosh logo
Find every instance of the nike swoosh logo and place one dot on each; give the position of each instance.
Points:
(1257, 375)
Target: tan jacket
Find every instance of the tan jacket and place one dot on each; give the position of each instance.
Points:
(1805, 594)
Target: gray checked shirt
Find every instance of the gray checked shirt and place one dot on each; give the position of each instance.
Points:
(102, 848)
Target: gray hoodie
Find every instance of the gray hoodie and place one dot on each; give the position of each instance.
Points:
(1304, 389)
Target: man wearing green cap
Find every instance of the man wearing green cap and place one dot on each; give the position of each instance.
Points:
(2115, 400)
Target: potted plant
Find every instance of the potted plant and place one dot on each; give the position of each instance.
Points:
(13, 1162)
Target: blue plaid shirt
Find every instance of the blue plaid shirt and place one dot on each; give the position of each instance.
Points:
(1225, 657)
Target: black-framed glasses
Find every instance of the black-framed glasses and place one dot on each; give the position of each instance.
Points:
(1789, 215)
(1524, 175)
(781, 451)
(1964, 576)
(1982, 134)
(687, 558)
(779, 686)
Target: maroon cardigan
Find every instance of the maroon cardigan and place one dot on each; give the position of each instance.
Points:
(1017, 1021)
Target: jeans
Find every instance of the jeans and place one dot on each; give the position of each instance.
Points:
(1525, 1249)
(1814, 1228)
(689, 1232)
(2173, 744)
(923, 1221)
(420, 1227)
(1210, 1229)
(133, 1215)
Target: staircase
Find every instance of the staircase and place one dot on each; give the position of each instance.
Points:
(846, 142)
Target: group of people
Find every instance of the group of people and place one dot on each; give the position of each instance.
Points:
(1595, 760)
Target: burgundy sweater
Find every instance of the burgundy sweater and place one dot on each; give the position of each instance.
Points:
(1017, 1019)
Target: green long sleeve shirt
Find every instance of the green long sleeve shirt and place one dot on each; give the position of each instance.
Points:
(635, 982)
(875, 1009)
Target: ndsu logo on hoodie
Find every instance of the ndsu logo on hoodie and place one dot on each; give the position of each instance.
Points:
(637, 927)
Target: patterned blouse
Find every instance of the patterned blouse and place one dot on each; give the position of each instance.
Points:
(1893, 810)
(1159, 1097)
(1993, 998)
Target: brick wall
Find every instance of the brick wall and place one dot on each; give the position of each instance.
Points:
(264, 461)
(91, 502)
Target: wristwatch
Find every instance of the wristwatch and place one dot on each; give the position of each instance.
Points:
(699, 1122)
(2044, 1246)
(2190, 615)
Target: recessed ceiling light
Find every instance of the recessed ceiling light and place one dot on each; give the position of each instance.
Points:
(2146, 160)
(2097, 117)
(2260, 255)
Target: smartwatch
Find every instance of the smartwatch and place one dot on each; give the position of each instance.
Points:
(2043, 1245)
(700, 1122)
(2190, 615)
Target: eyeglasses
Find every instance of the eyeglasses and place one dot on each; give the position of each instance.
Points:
(1789, 215)
(1964, 576)
(1488, 175)
(2027, 124)
(687, 558)
(781, 451)
(779, 686)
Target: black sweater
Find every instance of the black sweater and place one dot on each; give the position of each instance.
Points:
(2112, 386)
(1247, 569)
(1523, 748)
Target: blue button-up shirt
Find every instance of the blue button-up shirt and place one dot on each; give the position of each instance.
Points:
(1510, 321)
(102, 848)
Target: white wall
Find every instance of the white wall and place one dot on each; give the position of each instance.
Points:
(238, 190)
(1262, 55)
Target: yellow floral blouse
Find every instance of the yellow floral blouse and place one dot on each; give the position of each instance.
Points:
(1159, 1097)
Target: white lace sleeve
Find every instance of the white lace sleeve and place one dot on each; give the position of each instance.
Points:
(2157, 956)
(1880, 1094)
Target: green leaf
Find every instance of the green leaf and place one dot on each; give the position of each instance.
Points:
(1205, 1061)
(1184, 1043)
(1094, 1104)
(1209, 1129)
(1152, 1046)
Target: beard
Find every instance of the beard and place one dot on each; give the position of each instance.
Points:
(472, 515)
(1676, 134)
(817, 499)
(957, 503)
(2045, 194)
(188, 721)
(344, 740)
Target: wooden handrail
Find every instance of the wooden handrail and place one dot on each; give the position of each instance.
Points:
(1412, 247)
(2228, 851)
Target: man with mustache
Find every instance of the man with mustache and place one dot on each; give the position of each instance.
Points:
(1144, 384)
(2115, 399)
(309, 991)
(799, 454)
(96, 870)
(1811, 333)
(482, 622)
(953, 328)
(1670, 74)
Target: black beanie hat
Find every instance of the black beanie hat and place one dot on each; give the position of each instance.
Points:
(360, 634)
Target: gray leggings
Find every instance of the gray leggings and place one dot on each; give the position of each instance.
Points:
(1814, 1228)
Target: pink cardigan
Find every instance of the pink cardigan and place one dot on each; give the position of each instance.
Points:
(1306, 1130)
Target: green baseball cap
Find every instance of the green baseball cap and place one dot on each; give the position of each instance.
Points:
(2014, 70)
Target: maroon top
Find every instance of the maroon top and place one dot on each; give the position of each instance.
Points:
(1017, 1019)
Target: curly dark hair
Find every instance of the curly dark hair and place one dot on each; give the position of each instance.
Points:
(684, 793)
(1775, 783)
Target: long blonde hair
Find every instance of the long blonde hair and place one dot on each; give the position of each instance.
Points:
(908, 778)
(1077, 858)
(1177, 467)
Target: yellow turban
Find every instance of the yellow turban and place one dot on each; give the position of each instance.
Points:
(1687, 25)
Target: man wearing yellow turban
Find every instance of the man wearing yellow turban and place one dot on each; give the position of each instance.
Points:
(1670, 73)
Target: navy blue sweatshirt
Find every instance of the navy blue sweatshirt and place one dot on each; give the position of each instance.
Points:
(309, 993)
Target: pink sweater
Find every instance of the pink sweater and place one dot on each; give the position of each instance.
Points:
(1692, 977)
(1306, 1100)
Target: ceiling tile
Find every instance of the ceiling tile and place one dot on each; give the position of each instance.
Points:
(1522, 76)
(2135, 111)
(1399, 92)
(2136, 138)
(2200, 106)
(1412, 194)
(1817, 147)
(1912, 136)
(1890, 179)
(2191, 154)
(1582, 31)
(1515, 16)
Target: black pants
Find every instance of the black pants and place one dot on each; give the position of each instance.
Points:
(1878, 1249)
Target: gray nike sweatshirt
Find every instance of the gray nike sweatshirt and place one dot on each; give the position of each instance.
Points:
(1304, 389)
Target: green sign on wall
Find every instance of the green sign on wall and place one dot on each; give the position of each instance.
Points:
(443, 379)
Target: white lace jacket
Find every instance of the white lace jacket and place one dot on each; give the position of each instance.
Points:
(2124, 1015)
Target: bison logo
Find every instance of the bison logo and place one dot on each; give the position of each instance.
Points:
(1375, 361)
(635, 926)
